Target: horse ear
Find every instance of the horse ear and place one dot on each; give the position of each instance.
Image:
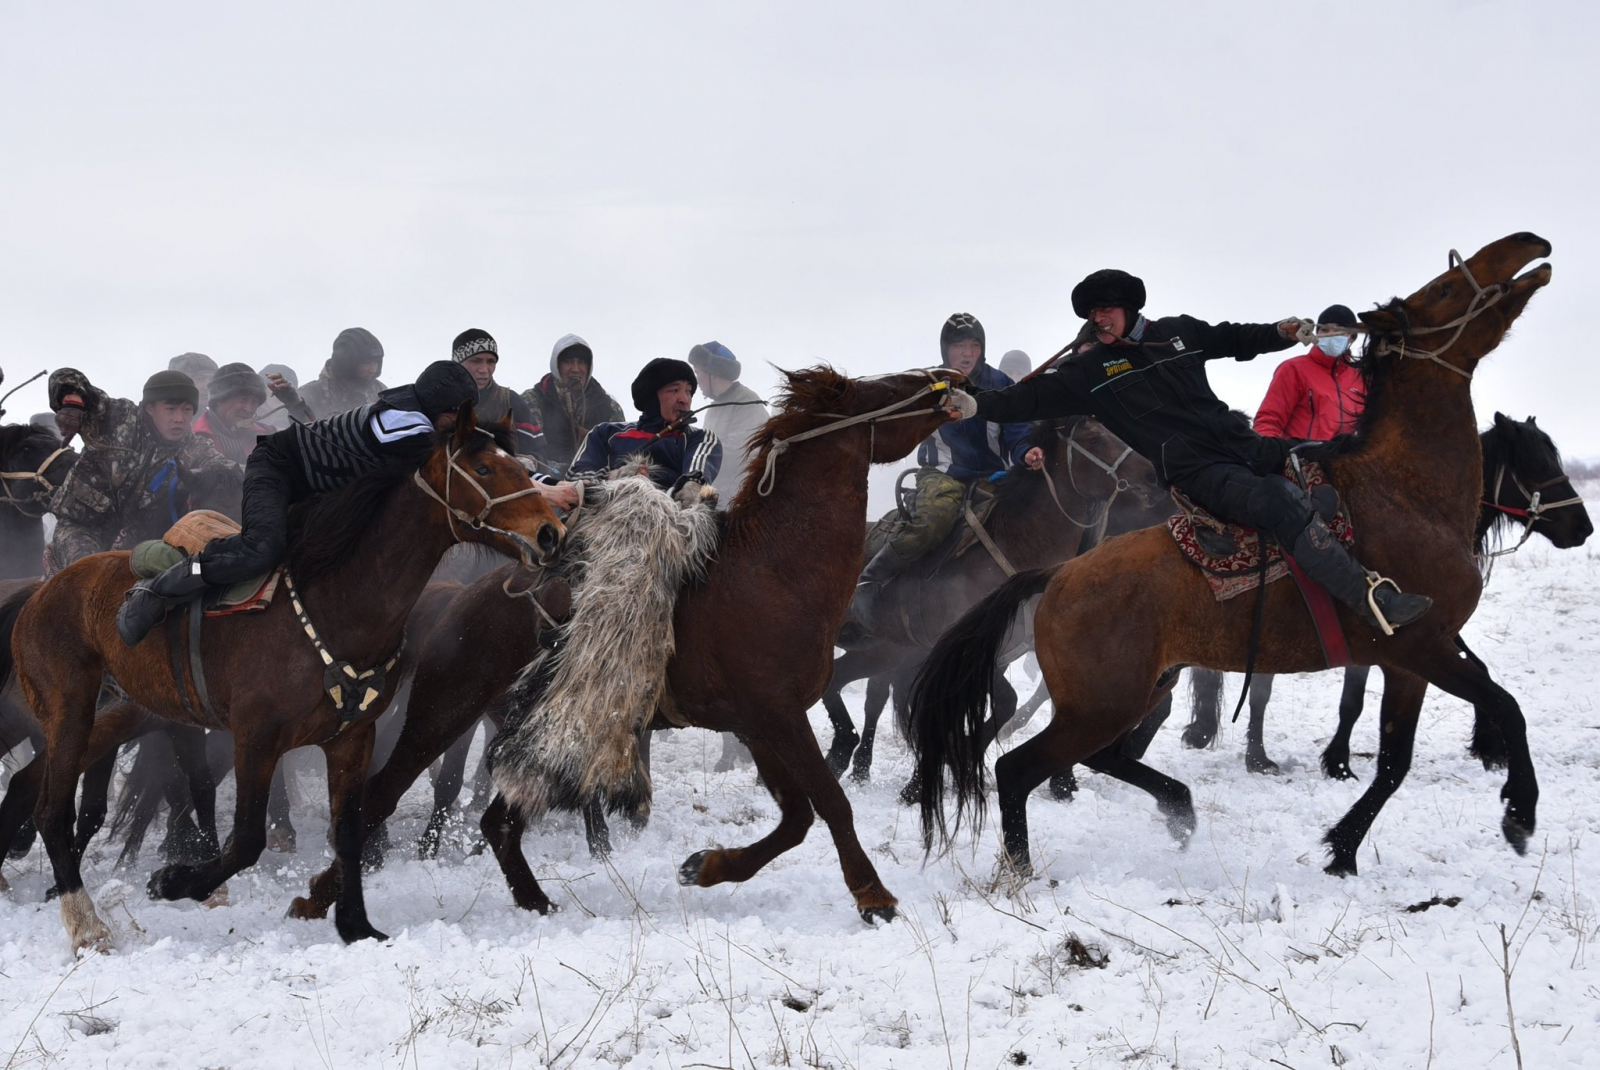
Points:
(466, 423)
(1380, 320)
(1533, 421)
(1501, 419)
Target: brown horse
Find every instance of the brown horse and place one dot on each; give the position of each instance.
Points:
(1412, 479)
(362, 556)
(1039, 518)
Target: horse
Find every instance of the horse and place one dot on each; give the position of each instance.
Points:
(1085, 469)
(361, 557)
(1415, 472)
(33, 463)
(1524, 485)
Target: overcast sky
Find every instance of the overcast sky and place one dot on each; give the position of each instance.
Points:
(803, 182)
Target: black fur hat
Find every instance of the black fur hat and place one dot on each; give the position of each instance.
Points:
(959, 328)
(1108, 288)
(655, 375)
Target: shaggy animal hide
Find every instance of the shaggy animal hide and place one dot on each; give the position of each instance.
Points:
(577, 715)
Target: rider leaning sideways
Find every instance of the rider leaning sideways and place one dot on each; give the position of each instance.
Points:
(294, 464)
(1146, 381)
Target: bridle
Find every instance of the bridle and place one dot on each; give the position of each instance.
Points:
(1074, 446)
(45, 489)
(1535, 509)
(478, 521)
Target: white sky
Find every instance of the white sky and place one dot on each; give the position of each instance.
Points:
(802, 182)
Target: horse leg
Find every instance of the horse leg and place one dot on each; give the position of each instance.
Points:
(1488, 743)
(280, 829)
(1402, 701)
(1139, 738)
(1025, 712)
(1255, 750)
(94, 801)
(22, 796)
(446, 791)
(596, 831)
(1336, 756)
(1172, 797)
(503, 827)
(1205, 712)
(845, 739)
(349, 757)
(67, 717)
(878, 689)
(255, 756)
(734, 754)
(189, 746)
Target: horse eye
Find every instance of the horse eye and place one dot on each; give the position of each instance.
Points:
(483, 469)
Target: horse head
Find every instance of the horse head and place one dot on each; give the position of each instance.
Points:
(33, 463)
(487, 494)
(1460, 317)
(1096, 463)
(1524, 481)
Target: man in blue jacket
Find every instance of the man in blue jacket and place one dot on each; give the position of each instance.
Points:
(662, 436)
(952, 458)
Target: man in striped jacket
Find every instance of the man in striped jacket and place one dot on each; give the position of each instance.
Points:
(662, 436)
(294, 464)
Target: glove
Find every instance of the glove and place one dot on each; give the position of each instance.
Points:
(961, 404)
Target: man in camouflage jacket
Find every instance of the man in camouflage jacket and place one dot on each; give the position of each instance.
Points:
(139, 469)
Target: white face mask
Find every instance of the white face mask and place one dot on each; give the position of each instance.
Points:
(1334, 346)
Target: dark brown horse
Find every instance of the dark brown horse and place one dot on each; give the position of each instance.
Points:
(1039, 518)
(1415, 473)
(33, 462)
(361, 556)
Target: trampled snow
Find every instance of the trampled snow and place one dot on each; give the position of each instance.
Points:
(1127, 952)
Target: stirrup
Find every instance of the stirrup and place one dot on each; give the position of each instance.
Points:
(1374, 581)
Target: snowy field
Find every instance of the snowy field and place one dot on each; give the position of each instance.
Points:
(1128, 952)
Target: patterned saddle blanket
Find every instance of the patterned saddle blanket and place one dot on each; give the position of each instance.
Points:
(1230, 554)
(189, 536)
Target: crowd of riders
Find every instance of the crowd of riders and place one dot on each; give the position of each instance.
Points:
(251, 442)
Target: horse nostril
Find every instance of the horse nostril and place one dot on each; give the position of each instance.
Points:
(549, 542)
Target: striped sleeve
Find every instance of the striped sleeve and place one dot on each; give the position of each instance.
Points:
(391, 425)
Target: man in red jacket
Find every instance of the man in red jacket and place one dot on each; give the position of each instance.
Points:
(1316, 395)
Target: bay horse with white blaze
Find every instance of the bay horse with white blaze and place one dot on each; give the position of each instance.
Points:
(360, 557)
(1413, 480)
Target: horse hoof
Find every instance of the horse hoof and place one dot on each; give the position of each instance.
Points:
(1063, 786)
(350, 934)
(1340, 867)
(171, 882)
(218, 898)
(306, 910)
(861, 776)
(1337, 770)
(873, 915)
(911, 795)
(1181, 825)
(541, 906)
(281, 840)
(689, 872)
(1517, 833)
(1196, 740)
(1260, 763)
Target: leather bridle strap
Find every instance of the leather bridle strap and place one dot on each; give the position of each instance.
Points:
(476, 522)
(37, 476)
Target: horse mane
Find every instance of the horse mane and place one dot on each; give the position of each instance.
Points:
(15, 436)
(807, 394)
(325, 530)
(1048, 436)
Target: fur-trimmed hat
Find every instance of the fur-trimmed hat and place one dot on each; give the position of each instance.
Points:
(442, 387)
(714, 358)
(356, 345)
(189, 363)
(655, 375)
(471, 342)
(171, 386)
(1108, 288)
(959, 328)
(237, 380)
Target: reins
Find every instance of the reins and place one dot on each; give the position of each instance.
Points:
(781, 445)
(46, 488)
(1532, 513)
(475, 521)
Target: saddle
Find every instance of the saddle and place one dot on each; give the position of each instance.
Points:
(189, 536)
(977, 503)
(1230, 554)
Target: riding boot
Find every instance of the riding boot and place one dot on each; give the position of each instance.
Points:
(147, 602)
(885, 565)
(1330, 564)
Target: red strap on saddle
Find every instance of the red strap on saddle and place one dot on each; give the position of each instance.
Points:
(1335, 650)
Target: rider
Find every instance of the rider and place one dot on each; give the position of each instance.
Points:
(1146, 381)
(737, 413)
(349, 379)
(952, 458)
(477, 351)
(140, 464)
(230, 417)
(662, 437)
(290, 466)
(1316, 395)
(569, 401)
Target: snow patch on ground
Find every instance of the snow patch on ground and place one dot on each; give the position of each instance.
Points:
(1126, 952)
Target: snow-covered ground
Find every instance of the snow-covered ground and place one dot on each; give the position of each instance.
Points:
(1237, 952)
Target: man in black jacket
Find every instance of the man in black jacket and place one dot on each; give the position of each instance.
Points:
(1146, 381)
(291, 466)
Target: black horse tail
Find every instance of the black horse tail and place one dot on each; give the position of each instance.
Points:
(9, 609)
(949, 698)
